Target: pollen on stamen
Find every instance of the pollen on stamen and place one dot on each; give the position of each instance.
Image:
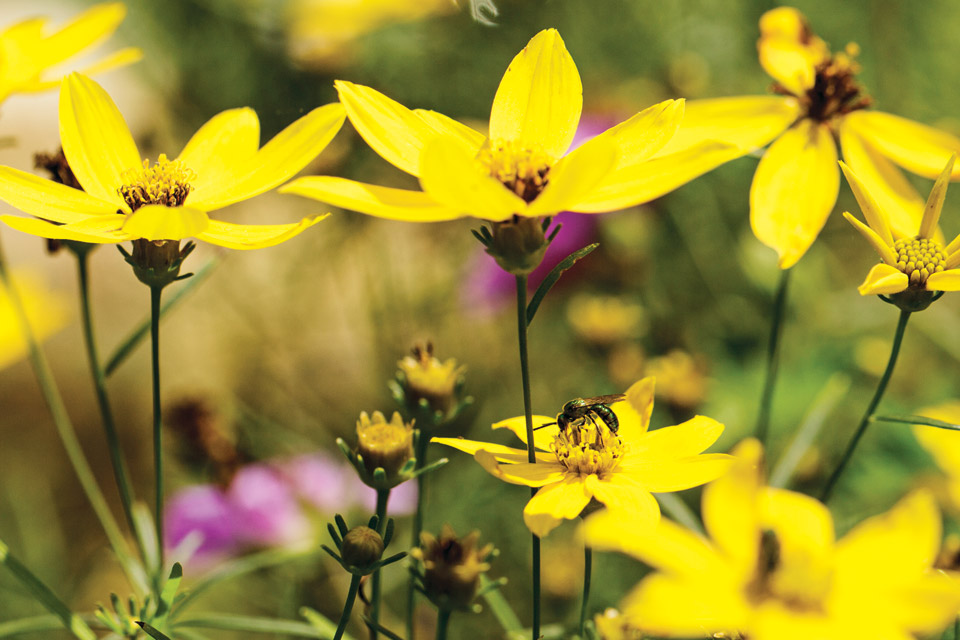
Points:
(523, 171)
(588, 448)
(165, 183)
(919, 258)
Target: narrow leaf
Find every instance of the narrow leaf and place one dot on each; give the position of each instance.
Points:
(500, 607)
(152, 632)
(553, 277)
(923, 420)
(252, 624)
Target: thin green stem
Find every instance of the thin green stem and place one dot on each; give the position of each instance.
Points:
(347, 606)
(66, 432)
(773, 357)
(155, 293)
(881, 387)
(443, 621)
(528, 413)
(421, 454)
(383, 495)
(120, 473)
(587, 570)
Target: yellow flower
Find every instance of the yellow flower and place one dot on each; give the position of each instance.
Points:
(127, 198)
(916, 263)
(796, 183)
(944, 445)
(26, 52)
(587, 461)
(773, 570)
(523, 167)
(46, 312)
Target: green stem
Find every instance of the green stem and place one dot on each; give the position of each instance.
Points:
(347, 606)
(528, 413)
(66, 432)
(443, 621)
(155, 293)
(421, 454)
(120, 472)
(773, 357)
(897, 339)
(587, 570)
(383, 495)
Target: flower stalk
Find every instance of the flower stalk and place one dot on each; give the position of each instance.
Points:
(587, 570)
(773, 357)
(383, 496)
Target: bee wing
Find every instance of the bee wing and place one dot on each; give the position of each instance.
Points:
(610, 399)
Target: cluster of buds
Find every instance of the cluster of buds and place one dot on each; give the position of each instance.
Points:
(360, 549)
(384, 455)
(133, 619)
(448, 569)
(428, 388)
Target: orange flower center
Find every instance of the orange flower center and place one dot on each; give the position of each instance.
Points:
(523, 171)
(918, 258)
(166, 183)
(835, 91)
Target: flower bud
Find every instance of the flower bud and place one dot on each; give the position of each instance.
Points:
(361, 548)
(424, 377)
(518, 244)
(382, 444)
(451, 567)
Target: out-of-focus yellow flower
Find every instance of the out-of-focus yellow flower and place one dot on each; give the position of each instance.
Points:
(127, 198)
(523, 168)
(612, 625)
(588, 461)
(46, 312)
(914, 264)
(604, 320)
(772, 569)
(797, 181)
(450, 567)
(943, 445)
(27, 50)
(681, 380)
(321, 32)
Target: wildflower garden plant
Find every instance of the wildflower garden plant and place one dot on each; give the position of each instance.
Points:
(821, 519)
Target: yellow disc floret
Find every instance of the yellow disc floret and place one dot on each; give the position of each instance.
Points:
(165, 183)
(523, 171)
(918, 258)
(589, 447)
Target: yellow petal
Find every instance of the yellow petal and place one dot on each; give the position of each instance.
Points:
(575, 177)
(395, 132)
(915, 147)
(804, 530)
(731, 509)
(555, 503)
(279, 160)
(158, 222)
(643, 135)
(942, 444)
(96, 139)
(217, 150)
(789, 63)
(90, 27)
(634, 411)
(254, 236)
(687, 439)
(47, 312)
(529, 475)
(885, 250)
(45, 229)
(623, 496)
(502, 453)
(539, 99)
(687, 606)
(893, 193)
(656, 177)
(794, 190)
(948, 280)
(110, 224)
(931, 212)
(382, 202)
(884, 280)
(747, 122)
(542, 436)
(676, 474)
(455, 179)
(47, 199)
(876, 217)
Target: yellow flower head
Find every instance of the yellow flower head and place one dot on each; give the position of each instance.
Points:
(26, 51)
(423, 377)
(451, 567)
(772, 569)
(384, 445)
(46, 312)
(524, 166)
(944, 445)
(587, 460)
(125, 197)
(797, 181)
(916, 264)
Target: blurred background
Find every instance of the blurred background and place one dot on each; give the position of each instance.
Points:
(280, 349)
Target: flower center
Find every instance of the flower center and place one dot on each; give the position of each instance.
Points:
(166, 183)
(523, 171)
(588, 447)
(800, 586)
(835, 91)
(918, 258)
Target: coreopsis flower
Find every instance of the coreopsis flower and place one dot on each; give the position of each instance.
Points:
(587, 460)
(127, 198)
(27, 51)
(773, 570)
(914, 264)
(46, 312)
(944, 446)
(796, 183)
(522, 169)
(425, 382)
(450, 567)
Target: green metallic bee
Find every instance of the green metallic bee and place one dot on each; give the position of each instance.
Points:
(576, 411)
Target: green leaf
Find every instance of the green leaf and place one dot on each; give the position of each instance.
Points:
(553, 277)
(922, 420)
(252, 624)
(168, 594)
(318, 621)
(500, 607)
(153, 633)
(30, 625)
